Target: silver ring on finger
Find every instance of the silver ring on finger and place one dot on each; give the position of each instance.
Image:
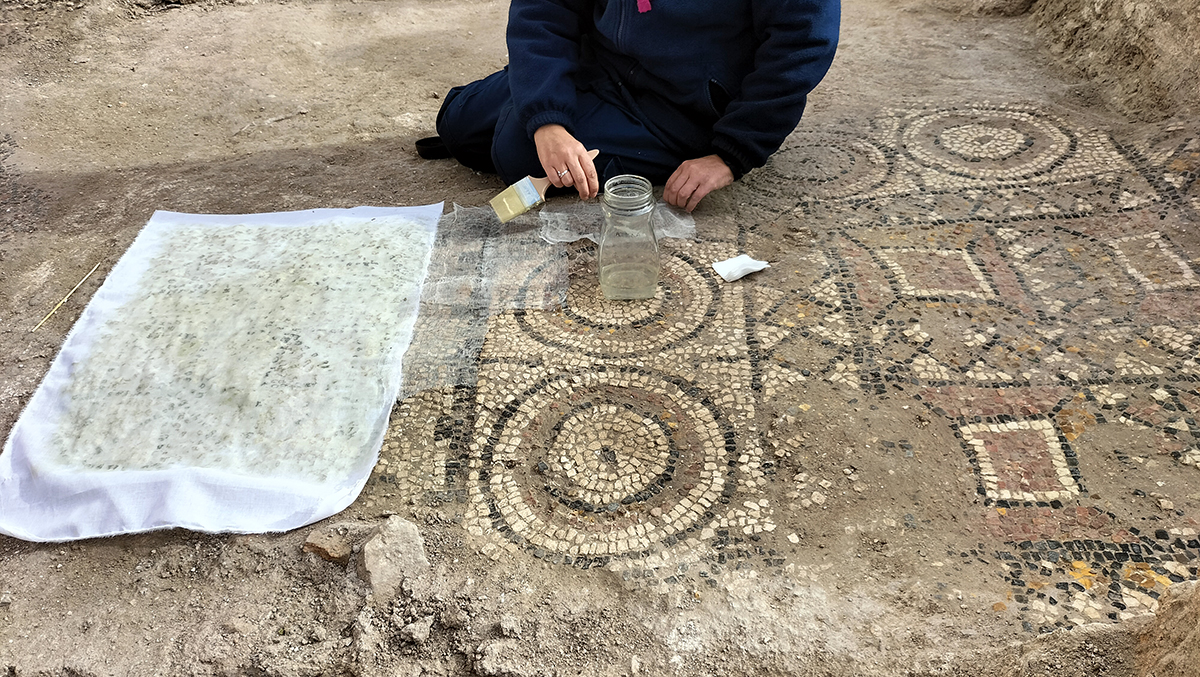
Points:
(563, 173)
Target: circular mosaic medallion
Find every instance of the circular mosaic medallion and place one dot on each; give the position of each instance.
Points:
(986, 143)
(621, 462)
(589, 323)
(822, 168)
(604, 453)
(973, 142)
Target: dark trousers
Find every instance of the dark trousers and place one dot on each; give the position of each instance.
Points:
(479, 127)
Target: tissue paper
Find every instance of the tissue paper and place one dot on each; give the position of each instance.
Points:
(738, 267)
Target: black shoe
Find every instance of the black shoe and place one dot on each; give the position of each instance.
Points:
(432, 148)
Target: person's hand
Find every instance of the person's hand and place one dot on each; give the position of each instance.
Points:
(566, 161)
(696, 178)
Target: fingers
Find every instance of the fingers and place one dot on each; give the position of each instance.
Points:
(556, 149)
(557, 170)
(590, 176)
(695, 179)
(552, 167)
(583, 176)
(577, 171)
(671, 190)
(571, 168)
(566, 161)
(683, 189)
(698, 194)
(688, 191)
(691, 193)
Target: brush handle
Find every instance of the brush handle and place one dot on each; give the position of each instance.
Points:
(541, 185)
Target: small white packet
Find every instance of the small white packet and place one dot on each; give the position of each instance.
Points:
(738, 267)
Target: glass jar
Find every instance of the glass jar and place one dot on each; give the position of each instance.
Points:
(628, 260)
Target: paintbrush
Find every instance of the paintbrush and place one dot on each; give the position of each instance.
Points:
(524, 195)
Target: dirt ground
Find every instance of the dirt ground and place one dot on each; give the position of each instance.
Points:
(1145, 56)
(906, 565)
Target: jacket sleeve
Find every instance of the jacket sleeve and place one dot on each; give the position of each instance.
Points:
(543, 54)
(797, 42)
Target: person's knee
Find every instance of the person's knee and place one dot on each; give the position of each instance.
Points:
(466, 120)
(439, 123)
(449, 118)
(456, 129)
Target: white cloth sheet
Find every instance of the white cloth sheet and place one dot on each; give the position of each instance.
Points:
(232, 374)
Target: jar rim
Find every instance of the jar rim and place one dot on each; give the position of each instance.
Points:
(629, 192)
(625, 185)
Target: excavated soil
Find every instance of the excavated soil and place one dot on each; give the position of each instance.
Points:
(1145, 56)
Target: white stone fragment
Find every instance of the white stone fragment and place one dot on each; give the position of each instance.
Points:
(395, 554)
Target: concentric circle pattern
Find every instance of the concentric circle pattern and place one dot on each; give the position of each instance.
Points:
(604, 453)
(986, 143)
(589, 323)
(824, 168)
(619, 462)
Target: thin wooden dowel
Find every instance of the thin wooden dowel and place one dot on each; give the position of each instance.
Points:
(47, 317)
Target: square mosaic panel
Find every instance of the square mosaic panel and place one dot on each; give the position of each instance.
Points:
(1021, 460)
(936, 272)
(1153, 262)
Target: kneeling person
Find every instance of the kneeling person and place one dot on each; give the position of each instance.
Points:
(691, 94)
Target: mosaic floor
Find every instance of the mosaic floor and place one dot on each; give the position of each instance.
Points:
(1027, 286)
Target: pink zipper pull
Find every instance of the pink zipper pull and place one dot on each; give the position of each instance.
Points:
(643, 6)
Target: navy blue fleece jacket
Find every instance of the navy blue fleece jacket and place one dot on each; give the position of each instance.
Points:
(729, 77)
